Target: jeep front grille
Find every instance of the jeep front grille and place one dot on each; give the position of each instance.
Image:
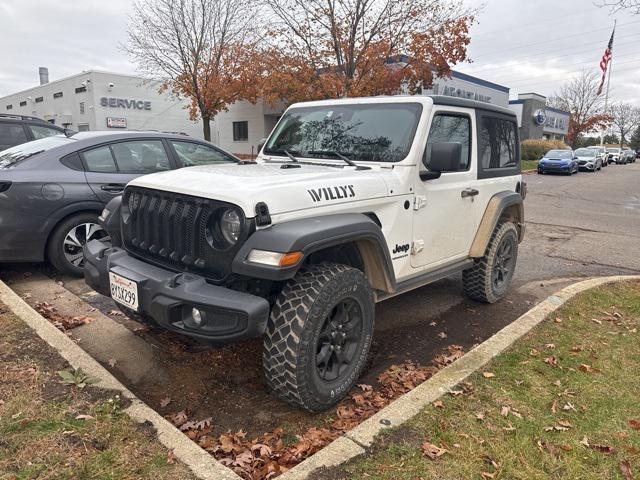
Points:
(170, 229)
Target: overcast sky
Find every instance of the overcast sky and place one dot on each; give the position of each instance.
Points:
(526, 45)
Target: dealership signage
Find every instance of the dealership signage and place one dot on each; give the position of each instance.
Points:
(116, 122)
(125, 103)
(452, 91)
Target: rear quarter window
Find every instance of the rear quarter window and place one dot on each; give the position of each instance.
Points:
(498, 145)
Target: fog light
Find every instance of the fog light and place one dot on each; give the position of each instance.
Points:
(196, 316)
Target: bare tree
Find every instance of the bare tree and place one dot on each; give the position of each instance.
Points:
(579, 96)
(334, 48)
(197, 47)
(626, 119)
(617, 5)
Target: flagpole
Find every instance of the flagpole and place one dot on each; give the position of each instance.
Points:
(606, 95)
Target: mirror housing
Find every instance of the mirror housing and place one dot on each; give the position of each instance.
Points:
(260, 145)
(445, 157)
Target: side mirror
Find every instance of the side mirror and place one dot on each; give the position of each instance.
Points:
(445, 157)
(261, 144)
(68, 132)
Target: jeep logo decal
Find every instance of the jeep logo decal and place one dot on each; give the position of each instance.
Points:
(401, 248)
(332, 193)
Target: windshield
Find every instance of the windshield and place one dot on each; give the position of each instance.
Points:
(614, 150)
(381, 132)
(15, 155)
(559, 154)
(585, 152)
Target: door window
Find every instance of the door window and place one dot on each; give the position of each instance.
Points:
(451, 128)
(11, 134)
(42, 132)
(141, 156)
(100, 160)
(191, 154)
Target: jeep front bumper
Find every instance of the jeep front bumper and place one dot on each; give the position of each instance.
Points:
(169, 297)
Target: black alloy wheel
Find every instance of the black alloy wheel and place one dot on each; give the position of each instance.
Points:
(503, 263)
(339, 340)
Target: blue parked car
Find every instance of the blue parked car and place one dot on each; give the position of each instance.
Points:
(558, 161)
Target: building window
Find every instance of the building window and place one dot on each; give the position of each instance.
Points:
(23, 103)
(240, 131)
(57, 95)
(9, 107)
(81, 108)
(81, 89)
(39, 99)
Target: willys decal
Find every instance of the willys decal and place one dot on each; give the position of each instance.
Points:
(332, 193)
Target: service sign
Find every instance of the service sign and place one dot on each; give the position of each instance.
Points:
(116, 122)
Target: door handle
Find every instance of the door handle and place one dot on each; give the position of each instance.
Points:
(469, 192)
(113, 187)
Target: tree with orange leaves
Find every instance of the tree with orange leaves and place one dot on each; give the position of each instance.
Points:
(202, 50)
(338, 48)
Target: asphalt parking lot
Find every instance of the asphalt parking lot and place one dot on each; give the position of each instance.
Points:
(584, 225)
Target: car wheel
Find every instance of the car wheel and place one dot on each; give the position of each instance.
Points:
(489, 279)
(318, 336)
(65, 244)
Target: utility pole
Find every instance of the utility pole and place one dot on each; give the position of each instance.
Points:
(606, 95)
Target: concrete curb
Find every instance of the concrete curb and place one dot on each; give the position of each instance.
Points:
(354, 442)
(201, 463)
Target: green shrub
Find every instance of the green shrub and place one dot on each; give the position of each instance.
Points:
(535, 149)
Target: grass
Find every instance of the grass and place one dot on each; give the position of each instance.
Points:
(42, 432)
(571, 372)
(529, 165)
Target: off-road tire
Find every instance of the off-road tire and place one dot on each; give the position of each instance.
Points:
(478, 280)
(294, 328)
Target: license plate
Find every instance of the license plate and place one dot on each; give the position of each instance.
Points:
(124, 291)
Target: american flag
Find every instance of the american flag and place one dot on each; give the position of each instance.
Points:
(604, 63)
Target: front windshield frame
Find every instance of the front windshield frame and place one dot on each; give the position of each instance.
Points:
(17, 154)
(328, 151)
(561, 154)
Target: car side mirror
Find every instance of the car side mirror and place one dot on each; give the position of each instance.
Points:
(445, 157)
(261, 144)
(68, 132)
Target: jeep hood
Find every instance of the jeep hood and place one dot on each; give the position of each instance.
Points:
(282, 189)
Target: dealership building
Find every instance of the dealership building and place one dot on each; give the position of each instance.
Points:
(97, 100)
(536, 120)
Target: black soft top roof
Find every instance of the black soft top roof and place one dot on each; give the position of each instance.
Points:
(463, 102)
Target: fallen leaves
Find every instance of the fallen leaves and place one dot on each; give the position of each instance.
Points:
(634, 424)
(606, 449)
(625, 469)
(583, 367)
(553, 361)
(432, 451)
(488, 374)
(61, 322)
(268, 455)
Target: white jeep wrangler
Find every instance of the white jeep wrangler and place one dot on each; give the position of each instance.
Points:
(350, 202)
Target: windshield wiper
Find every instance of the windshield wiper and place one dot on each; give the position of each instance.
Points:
(347, 160)
(293, 159)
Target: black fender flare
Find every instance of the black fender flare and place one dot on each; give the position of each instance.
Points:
(309, 235)
(507, 202)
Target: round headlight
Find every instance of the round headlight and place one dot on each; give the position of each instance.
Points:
(230, 226)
